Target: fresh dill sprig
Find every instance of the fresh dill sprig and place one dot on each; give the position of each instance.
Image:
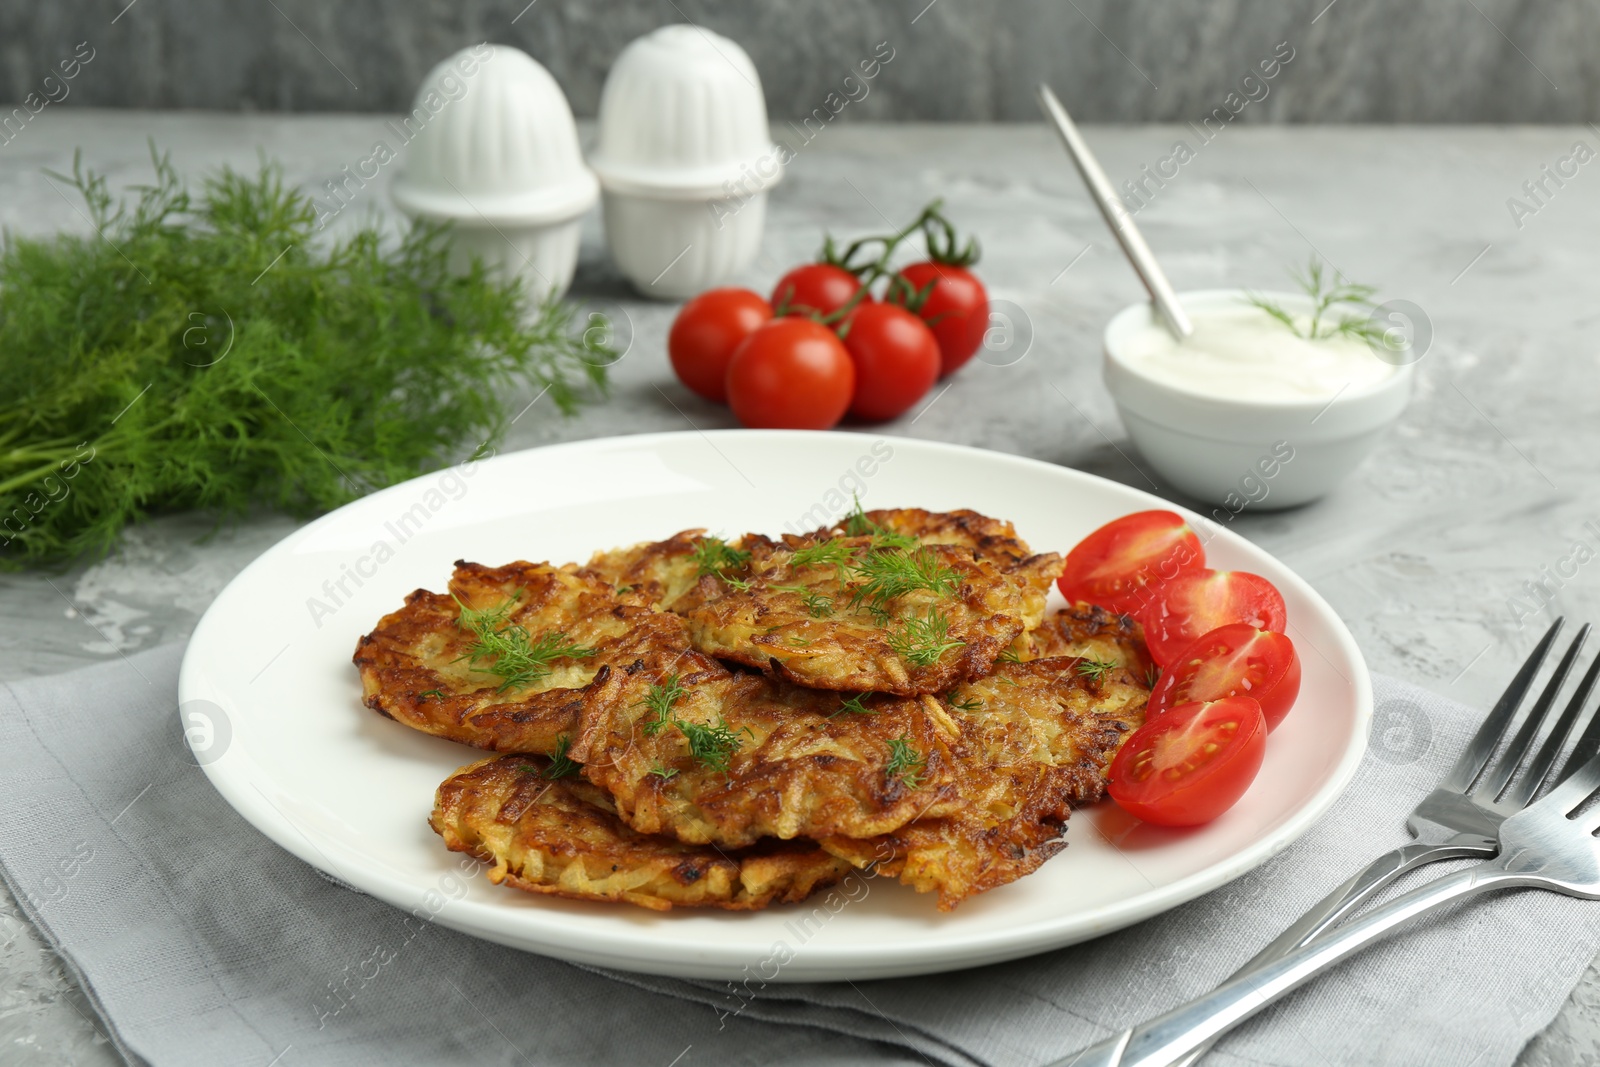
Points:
(818, 605)
(713, 746)
(506, 650)
(1152, 675)
(1010, 655)
(736, 583)
(210, 349)
(713, 555)
(892, 574)
(904, 764)
(887, 540)
(856, 524)
(660, 699)
(1328, 291)
(1096, 669)
(830, 553)
(853, 706)
(438, 693)
(920, 642)
(665, 773)
(970, 704)
(560, 765)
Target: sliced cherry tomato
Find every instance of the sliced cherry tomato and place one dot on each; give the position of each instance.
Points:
(1120, 563)
(1197, 602)
(1233, 661)
(1192, 764)
(705, 334)
(816, 288)
(896, 358)
(791, 374)
(957, 309)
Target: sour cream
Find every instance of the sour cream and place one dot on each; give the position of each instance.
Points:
(1239, 352)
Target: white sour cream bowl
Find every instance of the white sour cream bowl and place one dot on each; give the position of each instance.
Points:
(1244, 413)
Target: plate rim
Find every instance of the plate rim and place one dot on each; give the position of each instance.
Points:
(948, 951)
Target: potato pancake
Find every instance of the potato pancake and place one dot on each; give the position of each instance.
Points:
(661, 571)
(500, 661)
(562, 836)
(713, 756)
(1035, 742)
(906, 601)
(991, 539)
(1094, 633)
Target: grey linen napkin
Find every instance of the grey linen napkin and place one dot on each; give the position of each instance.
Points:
(198, 941)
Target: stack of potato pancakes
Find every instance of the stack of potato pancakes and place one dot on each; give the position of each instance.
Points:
(735, 724)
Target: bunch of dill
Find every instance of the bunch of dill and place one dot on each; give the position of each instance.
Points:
(213, 352)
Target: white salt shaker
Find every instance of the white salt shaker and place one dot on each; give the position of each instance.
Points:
(497, 155)
(685, 160)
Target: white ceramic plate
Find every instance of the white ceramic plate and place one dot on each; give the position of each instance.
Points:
(269, 692)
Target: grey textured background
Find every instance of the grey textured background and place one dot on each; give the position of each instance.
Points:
(1113, 60)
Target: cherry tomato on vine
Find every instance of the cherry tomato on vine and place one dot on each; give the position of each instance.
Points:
(791, 374)
(896, 358)
(956, 309)
(1197, 602)
(1191, 764)
(1237, 660)
(1119, 565)
(815, 288)
(705, 334)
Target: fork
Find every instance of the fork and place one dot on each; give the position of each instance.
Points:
(1460, 818)
(1550, 844)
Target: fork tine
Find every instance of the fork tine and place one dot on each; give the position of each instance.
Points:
(1498, 721)
(1499, 775)
(1588, 743)
(1574, 790)
(1572, 720)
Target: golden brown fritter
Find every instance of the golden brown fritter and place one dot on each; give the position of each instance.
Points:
(658, 571)
(712, 756)
(826, 626)
(859, 614)
(989, 539)
(563, 837)
(418, 666)
(1094, 633)
(1035, 742)
(992, 539)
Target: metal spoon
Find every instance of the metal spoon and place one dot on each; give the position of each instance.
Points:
(1172, 315)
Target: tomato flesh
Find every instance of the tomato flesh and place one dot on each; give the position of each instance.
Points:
(1190, 765)
(815, 289)
(705, 334)
(896, 358)
(956, 309)
(1237, 660)
(1199, 601)
(791, 374)
(1119, 564)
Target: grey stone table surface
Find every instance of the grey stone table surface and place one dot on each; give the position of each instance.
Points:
(1427, 551)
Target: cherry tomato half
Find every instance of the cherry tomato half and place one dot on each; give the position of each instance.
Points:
(819, 288)
(957, 310)
(791, 374)
(1119, 564)
(1197, 602)
(705, 333)
(1192, 764)
(896, 358)
(1233, 661)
